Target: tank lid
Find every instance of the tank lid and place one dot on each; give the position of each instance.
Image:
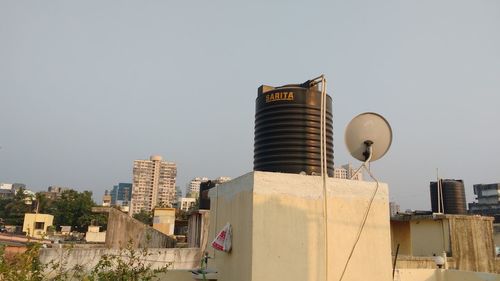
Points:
(306, 85)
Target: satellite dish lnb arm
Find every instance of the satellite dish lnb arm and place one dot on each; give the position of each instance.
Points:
(368, 152)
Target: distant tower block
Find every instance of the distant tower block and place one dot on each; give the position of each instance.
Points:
(153, 184)
(287, 130)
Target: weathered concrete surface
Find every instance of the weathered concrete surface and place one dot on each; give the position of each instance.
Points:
(496, 234)
(198, 226)
(472, 243)
(179, 259)
(401, 235)
(442, 275)
(278, 228)
(467, 239)
(405, 262)
(122, 228)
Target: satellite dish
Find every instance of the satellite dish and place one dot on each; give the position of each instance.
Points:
(368, 136)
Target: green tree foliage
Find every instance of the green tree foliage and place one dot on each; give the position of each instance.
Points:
(15, 208)
(75, 209)
(3, 203)
(21, 267)
(42, 203)
(181, 214)
(144, 217)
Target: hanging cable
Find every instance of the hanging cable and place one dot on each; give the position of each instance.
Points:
(324, 165)
(367, 211)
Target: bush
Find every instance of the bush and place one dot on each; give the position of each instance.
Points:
(129, 264)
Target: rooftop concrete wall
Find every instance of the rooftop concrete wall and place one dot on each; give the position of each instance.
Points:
(279, 230)
(179, 259)
(442, 275)
(429, 237)
(122, 228)
(164, 220)
(401, 234)
(472, 243)
(467, 239)
(406, 262)
(198, 226)
(232, 202)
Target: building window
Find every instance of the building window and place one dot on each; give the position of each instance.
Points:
(39, 225)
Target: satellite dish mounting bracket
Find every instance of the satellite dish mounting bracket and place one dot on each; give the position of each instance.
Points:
(368, 152)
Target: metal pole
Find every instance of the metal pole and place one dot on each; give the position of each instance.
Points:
(395, 260)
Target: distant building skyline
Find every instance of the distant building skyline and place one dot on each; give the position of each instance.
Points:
(186, 203)
(106, 199)
(153, 184)
(346, 172)
(178, 195)
(487, 200)
(204, 200)
(394, 208)
(55, 192)
(121, 194)
(193, 187)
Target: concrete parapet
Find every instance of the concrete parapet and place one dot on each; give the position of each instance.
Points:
(122, 228)
(405, 262)
(443, 275)
(467, 239)
(179, 259)
(472, 243)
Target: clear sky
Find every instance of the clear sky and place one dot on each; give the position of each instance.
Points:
(86, 87)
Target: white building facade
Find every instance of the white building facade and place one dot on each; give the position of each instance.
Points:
(346, 172)
(153, 184)
(193, 187)
(187, 204)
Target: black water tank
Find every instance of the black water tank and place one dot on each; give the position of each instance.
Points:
(453, 196)
(204, 199)
(287, 130)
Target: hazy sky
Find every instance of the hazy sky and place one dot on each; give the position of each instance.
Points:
(86, 87)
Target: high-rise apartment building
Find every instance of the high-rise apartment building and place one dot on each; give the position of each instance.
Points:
(153, 184)
(121, 194)
(193, 187)
(488, 200)
(347, 172)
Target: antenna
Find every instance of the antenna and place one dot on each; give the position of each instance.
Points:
(368, 137)
(440, 199)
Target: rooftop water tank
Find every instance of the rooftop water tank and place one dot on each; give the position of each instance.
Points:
(453, 197)
(287, 130)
